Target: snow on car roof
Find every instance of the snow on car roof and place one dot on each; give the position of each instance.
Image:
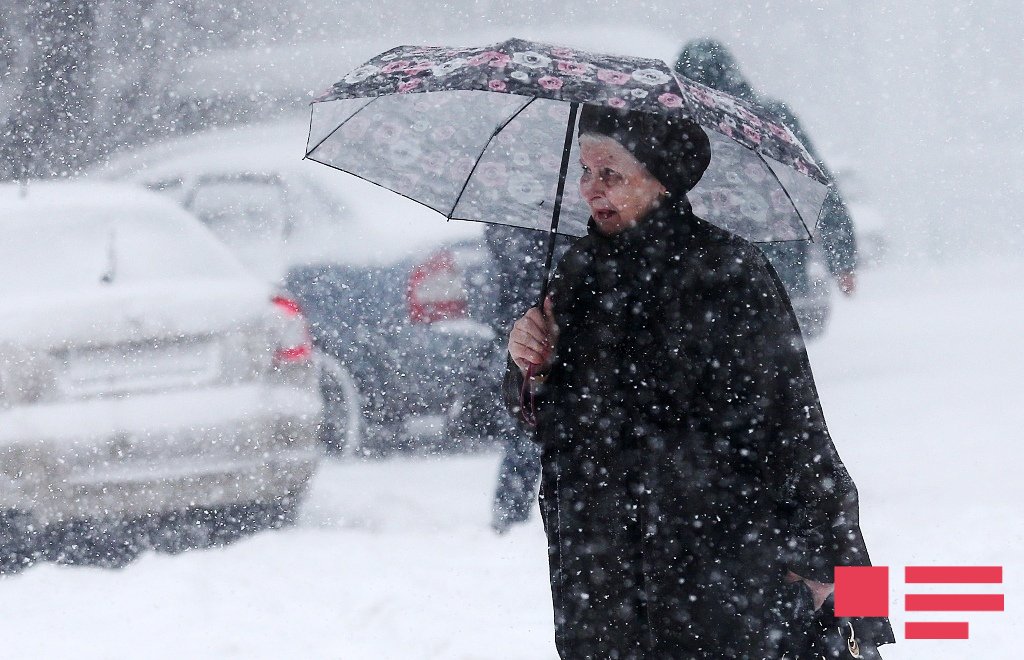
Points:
(77, 254)
(38, 196)
(271, 146)
(56, 230)
(374, 226)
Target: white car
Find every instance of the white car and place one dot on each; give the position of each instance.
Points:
(144, 372)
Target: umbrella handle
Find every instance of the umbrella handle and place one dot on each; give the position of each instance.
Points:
(529, 413)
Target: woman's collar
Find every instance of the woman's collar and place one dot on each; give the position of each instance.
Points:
(653, 223)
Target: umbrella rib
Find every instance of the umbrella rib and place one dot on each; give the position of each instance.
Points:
(309, 136)
(799, 215)
(465, 183)
(336, 128)
(781, 241)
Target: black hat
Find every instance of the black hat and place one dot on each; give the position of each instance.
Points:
(675, 150)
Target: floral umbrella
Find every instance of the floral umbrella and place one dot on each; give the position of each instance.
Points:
(486, 134)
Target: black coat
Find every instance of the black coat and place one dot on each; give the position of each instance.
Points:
(686, 462)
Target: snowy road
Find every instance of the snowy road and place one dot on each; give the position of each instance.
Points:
(920, 376)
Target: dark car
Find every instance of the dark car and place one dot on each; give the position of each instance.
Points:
(411, 334)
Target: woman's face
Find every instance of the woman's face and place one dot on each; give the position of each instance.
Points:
(616, 186)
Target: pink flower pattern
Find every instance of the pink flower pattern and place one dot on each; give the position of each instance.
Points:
(418, 67)
(397, 65)
(613, 77)
(550, 82)
(573, 68)
(670, 100)
(500, 62)
(752, 134)
(563, 74)
(780, 132)
(491, 57)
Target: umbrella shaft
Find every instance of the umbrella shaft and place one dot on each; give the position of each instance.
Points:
(556, 212)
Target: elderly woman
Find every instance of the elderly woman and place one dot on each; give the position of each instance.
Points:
(691, 495)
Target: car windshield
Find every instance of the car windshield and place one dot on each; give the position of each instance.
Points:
(248, 214)
(241, 209)
(66, 248)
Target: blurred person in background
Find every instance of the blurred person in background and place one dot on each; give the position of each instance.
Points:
(517, 253)
(709, 62)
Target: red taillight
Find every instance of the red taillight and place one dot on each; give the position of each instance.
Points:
(294, 343)
(288, 305)
(435, 290)
(293, 354)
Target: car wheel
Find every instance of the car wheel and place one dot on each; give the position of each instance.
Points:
(202, 528)
(102, 543)
(179, 531)
(342, 428)
(282, 511)
(17, 542)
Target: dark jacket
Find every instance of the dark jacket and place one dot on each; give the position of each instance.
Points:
(710, 63)
(835, 227)
(686, 461)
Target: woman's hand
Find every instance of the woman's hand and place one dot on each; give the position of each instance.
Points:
(533, 339)
(820, 591)
(848, 282)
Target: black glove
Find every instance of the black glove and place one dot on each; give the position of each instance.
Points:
(820, 634)
(840, 638)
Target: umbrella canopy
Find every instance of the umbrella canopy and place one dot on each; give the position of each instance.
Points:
(486, 134)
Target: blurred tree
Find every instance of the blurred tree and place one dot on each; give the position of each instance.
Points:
(144, 44)
(84, 77)
(45, 132)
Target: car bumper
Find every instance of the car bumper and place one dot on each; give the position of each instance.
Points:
(157, 453)
(452, 356)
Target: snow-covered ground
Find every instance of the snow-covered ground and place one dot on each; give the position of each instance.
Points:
(920, 375)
